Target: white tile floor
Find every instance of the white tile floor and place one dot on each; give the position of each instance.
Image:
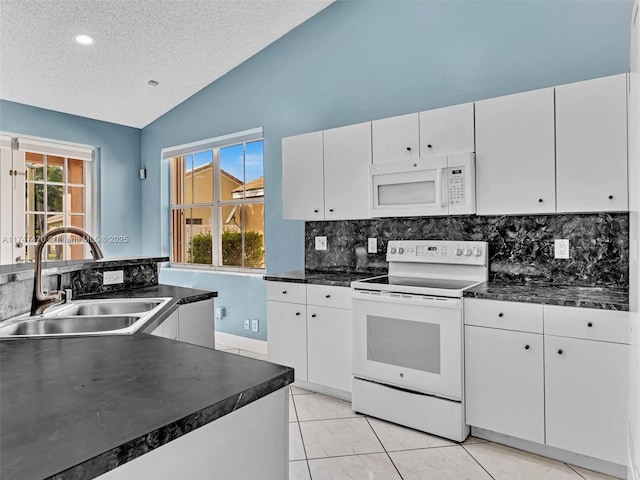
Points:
(328, 441)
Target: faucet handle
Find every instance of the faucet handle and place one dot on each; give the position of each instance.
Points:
(68, 295)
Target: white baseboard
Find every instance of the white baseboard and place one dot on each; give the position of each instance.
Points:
(597, 465)
(242, 343)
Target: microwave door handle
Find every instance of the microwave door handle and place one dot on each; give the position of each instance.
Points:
(443, 188)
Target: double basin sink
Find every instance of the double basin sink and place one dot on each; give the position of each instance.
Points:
(86, 317)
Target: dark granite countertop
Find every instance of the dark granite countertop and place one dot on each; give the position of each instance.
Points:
(75, 408)
(339, 279)
(605, 298)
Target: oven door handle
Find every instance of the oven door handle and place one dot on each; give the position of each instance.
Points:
(406, 299)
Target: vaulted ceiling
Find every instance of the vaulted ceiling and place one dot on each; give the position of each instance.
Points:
(183, 45)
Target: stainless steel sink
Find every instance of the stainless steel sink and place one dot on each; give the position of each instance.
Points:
(121, 316)
(68, 325)
(106, 307)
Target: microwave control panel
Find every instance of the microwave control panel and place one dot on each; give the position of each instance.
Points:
(457, 188)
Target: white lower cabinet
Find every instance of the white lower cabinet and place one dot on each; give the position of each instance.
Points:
(287, 336)
(190, 323)
(586, 397)
(505, 382)
(566, 388)
(329, 347)
(313, 337)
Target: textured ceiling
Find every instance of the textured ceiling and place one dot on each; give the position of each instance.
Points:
(183, 44)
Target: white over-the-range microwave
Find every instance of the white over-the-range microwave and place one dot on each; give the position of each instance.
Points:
(427, 186)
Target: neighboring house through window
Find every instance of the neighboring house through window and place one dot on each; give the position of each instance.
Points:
(43, 185)
(217, 202)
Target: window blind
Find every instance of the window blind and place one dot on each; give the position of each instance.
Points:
(51, 148)
(224, 140)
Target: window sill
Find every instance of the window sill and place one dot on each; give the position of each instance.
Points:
(245, 272)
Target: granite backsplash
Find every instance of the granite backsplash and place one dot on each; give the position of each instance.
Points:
(520, 247)
(85, 278)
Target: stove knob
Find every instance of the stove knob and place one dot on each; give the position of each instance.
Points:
(393, 250)
(478, 252)
(458, 251)
(400, 251)
(467, 252)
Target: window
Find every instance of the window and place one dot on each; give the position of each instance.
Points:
(45, 185)
(217, 202)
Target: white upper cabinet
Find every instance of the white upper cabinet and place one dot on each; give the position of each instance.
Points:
(591, 145)
(347, 156)
(515, 154)
(302, 177)
(396, 138)
(447, 130)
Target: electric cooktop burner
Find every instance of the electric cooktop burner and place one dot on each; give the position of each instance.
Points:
(420, 282)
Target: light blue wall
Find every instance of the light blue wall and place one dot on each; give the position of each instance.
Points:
(361, 60)
(119, 162)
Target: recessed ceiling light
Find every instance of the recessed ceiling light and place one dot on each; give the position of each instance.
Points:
(83, 39)
(153, 83)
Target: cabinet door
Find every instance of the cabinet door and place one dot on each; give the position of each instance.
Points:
(504, 384)
(169, 327)
(586, 397)
(329, 347)
(302, 173)
(444, 131)
(347, 156)
(591, 145)
(395, 138)
(6, 203)
(287, 336)
(515, 159)
(196, 324)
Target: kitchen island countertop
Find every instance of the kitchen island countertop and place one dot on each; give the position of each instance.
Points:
(74, 408)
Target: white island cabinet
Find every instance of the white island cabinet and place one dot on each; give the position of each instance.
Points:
(219, 449)
(515, 154)
(190, 323)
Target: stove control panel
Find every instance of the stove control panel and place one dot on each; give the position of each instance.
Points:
(438, 251)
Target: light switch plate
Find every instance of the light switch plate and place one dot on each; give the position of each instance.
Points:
(254, 324)
(113, 277)
(372, 246)
(561, 248)
(321, 243)
(246, 324)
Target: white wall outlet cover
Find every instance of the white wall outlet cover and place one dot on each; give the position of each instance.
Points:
(372, 245)
(561, 248)
(220, 313)
(321, 243)
(246, 324)
(113, 277)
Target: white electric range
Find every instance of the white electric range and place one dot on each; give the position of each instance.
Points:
(408, 343)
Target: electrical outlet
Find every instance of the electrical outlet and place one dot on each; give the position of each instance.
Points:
(113, 277)
(321, 243)
(561, 248)
(254, 324)
(246, 324)
(372, 246)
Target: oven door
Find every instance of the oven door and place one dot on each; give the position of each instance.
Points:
(409, 341)
(415, 188)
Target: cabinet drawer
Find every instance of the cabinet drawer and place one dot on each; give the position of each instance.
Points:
(287, 292)
(587, 323)
(329, 296)
(522, 317)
